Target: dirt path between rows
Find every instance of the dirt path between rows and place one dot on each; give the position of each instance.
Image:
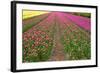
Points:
(57, 52)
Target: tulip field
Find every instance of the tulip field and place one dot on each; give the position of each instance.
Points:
(56, 36)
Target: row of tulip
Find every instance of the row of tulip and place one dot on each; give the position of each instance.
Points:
(38, 41)
(28, 23)
(83, 22)
(76, 40)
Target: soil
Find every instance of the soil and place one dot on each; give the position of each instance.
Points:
(57, 52)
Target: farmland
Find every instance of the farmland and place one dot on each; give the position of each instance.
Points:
(56, 36)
